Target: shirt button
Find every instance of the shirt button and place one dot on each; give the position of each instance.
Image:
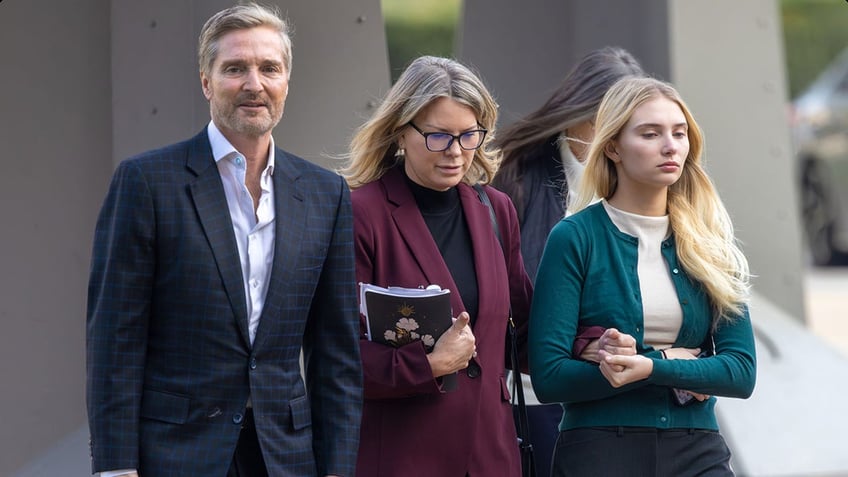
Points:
(675, 271)
(663, 419)
(239, 161)
(238, 418)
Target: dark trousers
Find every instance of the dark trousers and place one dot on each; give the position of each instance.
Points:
(641, 452)
(247, 460)
(543, 420)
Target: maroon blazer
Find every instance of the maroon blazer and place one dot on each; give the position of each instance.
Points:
(410, 427)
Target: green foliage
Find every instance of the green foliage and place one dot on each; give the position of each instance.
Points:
(419, 27)
(814, 32)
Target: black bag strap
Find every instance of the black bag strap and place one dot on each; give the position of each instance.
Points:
(484, 198)
(518, 390)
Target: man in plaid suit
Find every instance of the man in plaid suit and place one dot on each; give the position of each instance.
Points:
(216, 262)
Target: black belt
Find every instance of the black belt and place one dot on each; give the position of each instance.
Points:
(621, 430)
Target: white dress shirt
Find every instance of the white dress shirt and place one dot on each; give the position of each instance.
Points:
(254, 231)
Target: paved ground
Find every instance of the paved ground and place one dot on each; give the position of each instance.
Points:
(793, 425)
(826, 297)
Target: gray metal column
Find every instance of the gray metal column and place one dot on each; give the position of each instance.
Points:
(523, 50)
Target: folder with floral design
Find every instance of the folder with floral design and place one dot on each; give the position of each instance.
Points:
(396, 316)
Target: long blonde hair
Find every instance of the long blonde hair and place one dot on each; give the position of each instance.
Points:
(427, 78)
(703, 232)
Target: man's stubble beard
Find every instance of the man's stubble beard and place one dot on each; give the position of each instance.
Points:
(254, 126)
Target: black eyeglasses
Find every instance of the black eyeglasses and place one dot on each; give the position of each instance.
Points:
(440, 141)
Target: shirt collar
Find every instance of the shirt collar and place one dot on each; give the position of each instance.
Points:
(221, 147)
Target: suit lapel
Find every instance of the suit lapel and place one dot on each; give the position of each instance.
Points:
(412, 228)
(290, 216)
(207, 192)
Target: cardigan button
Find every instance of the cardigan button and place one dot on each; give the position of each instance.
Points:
(473, 370)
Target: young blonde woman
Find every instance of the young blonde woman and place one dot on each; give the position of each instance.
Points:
(656, 260)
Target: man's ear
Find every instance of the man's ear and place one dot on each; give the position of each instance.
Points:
(611, 151)
(204, 85)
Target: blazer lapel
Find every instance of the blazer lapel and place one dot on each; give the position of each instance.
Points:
(412, 228)
(290, 216)
(207, 192)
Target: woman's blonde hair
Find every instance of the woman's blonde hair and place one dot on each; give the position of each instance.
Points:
(703, 232)
(427, 78)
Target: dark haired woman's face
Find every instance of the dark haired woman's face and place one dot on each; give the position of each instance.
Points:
(579, 137)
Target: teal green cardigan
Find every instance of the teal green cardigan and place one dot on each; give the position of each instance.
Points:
(587, 276)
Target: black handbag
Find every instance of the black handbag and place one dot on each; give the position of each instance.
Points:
(525, 447)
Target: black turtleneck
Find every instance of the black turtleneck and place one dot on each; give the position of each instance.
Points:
(442, 212)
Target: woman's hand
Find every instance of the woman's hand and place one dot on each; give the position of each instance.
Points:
(611, 342)
(624, 369)
(454, 349)
(686, 353)
(681, 353)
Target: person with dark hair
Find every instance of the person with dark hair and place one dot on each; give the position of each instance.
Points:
(543, 157)
(543, 152)
(217, 263)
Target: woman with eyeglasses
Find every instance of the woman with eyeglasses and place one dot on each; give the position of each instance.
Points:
(418, 221)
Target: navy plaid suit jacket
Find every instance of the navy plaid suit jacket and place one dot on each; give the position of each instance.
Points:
(169, 361)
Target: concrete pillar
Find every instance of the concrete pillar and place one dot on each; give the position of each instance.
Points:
(55, 100)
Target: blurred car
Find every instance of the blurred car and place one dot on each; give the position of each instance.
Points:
(819, 118)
